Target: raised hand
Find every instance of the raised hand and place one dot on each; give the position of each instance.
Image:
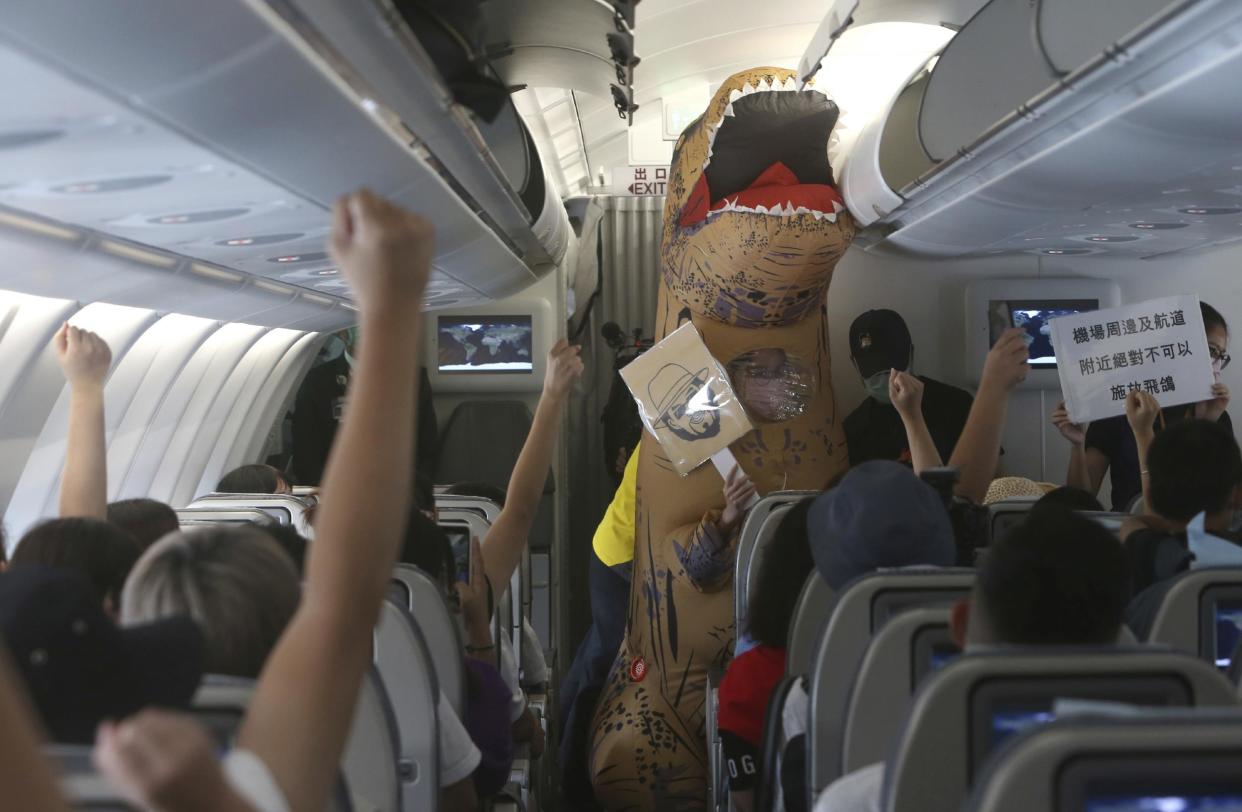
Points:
(1076, 433)
(164, 761)
(472, 594)
(1006, 365)
(83, 356)
(1142, 409)
(1215, 407)
(906, 393)
(564, 367)
(383, 250)
(739, 491)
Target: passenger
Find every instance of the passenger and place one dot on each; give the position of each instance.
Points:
(905, 392)
(79, 667)
(1108, 446)
(1055, 579)
(1072, 498)
(236, 583)
(752, 676)
(256, 478)
(484, 769)
(147, 520)
(978, 451)
(1195, 485)
(290, 743)
(99, 551)
(880, 343)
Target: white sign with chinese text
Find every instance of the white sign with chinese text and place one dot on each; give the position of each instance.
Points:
(640, 180)
(1157, 347)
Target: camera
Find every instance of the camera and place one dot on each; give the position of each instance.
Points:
(971, 523)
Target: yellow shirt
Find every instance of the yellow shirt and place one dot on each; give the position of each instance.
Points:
(614, 538)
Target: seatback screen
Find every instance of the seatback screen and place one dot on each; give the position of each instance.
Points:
(485, 344)
(1228, 616)
(1034, 316)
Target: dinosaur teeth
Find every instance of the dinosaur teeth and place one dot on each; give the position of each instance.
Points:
(791, 84)
(728, 111)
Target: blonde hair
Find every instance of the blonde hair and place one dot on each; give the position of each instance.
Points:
(235, 582)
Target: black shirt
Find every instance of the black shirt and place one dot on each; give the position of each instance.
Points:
(1114, 438)
(874, 430)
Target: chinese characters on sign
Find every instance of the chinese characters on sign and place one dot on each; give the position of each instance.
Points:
(1156, 347)
(640, 180)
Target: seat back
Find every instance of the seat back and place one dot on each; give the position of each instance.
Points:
(408, 672)
(81, 784)
(1175, 760)
(773, 744)
(963, 711)
(481, 505)
(1201, 614)
(369, 765)
(197, 517)
(1005, 515)
(810, 616)
(908, 648)
(864, 607)
(758, 529)
(420, 595)
(283, 508)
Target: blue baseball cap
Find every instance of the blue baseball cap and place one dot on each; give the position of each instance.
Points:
(881, 516)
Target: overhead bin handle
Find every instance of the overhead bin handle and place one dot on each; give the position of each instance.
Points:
(839, 17)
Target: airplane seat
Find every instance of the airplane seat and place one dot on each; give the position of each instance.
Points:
(420, 595)
(283, 508)
(772, 745)
(987, 71)
(962, 712)
(909, 647)
(1201, 614)
(814, 605)
(757, 530)
(406, 666)
(865, 606)
(1003, 516)
(1158, 761)
(197, 517)
(82, 785)
(369, 766)
(481, 443)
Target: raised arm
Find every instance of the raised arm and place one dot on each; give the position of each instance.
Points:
(1087, 466)
(906, 393)
(300, 714)
(978, 449)
(84, 358)
(506, 540)
(24, 773)
(1142, 410)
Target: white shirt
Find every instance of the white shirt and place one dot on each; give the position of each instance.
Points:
(509, 672)
(858, 791)
(458, 756)
(252, 780)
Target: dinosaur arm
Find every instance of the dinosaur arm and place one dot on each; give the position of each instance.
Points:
(706, 553)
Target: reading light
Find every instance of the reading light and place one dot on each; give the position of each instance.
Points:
(196, 216)
(212, 272)
(111, 184)
(1158, 226)
(260, 239)
(1065, 251)
(137, 254)
(314, 256)
(37, 226)
(328, 272)
(1210, 210)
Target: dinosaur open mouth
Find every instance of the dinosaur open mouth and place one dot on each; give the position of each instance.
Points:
(768, 154)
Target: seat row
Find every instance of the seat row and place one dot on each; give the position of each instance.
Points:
(867, 668)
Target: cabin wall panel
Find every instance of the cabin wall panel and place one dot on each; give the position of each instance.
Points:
(37, 490)
(170, 451)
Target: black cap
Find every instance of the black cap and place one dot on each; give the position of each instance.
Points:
(79, 666)
(880, 340)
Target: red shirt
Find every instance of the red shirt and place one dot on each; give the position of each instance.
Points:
(745, 689)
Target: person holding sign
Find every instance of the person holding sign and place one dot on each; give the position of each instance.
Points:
(1108, 446)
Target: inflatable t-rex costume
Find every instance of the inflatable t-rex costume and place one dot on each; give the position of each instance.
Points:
(752, 231)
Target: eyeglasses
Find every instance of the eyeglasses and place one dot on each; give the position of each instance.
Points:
(1219, 357)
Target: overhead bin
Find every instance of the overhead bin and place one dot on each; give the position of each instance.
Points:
(245, 124)
(1000, 146)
